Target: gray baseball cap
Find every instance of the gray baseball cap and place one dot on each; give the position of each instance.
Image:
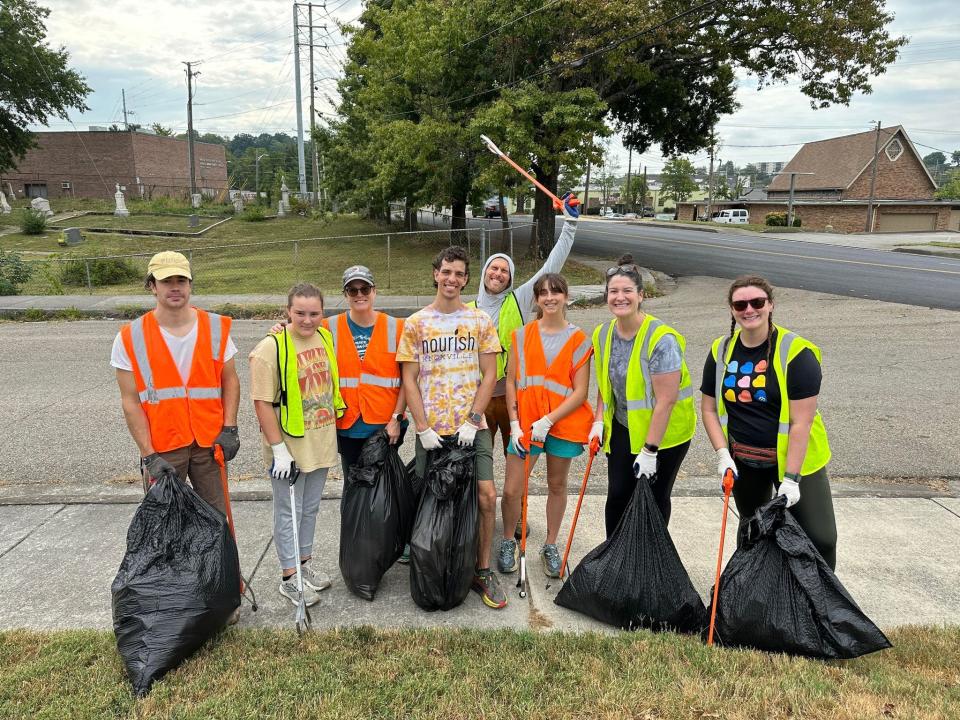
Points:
(357, 272)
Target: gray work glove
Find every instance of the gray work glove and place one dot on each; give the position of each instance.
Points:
(157, 467)
(229, 440)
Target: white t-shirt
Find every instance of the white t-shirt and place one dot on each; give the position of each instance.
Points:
(181, 348)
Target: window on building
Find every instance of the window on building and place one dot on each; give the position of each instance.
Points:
(894, 149)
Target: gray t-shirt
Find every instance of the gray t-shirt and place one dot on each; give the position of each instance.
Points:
(666, 357)
(553, 342)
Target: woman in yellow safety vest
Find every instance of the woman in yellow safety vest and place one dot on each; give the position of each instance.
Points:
(645, 415)
(296, 395)
(759, 406)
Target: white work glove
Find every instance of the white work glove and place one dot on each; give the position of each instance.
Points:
(429, 440)
(791, 490)
(466, 434)
(282, 462)
(645, 465)
(516, 434)
(538, 433)
(596, 431)
(724, 463)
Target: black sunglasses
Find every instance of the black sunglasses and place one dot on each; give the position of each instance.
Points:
(353, 290)
(755, 303)
(622, 269)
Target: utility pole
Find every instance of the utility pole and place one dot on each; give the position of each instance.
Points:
(301, 169)
(586, 190)
(313, 112)
(710, 180)
(873, 178)
(643, 200)
(793, 178)
(190, 156)
(123, 94)
(629, 168)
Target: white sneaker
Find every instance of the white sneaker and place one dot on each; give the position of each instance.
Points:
(288, 588)
(313, 578)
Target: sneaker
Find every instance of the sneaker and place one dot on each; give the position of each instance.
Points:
(550, 557)
(288, 588)
(508, 559)
(314, 579)
(404, 558)
(487, 584)
(516, 532)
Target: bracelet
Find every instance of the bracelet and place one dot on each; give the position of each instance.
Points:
(650, 447)
(793, 477)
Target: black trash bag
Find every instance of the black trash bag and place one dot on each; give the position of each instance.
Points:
(443, 547)
(777, 593)
(635, 578)
(178, 584)
(376, 515)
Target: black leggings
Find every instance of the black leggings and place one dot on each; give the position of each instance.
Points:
(349, 449)
(814, 511)
(621, 481)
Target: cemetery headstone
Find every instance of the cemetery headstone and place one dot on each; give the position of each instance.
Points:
(121, 208)
(42, 205)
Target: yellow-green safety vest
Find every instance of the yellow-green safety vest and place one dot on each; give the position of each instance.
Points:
(510, 319)
(788, 346)
(291, 404)
(639, 386)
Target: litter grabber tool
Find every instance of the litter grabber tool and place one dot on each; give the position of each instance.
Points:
(727, 489)
(245, 588)
(594, 449)
(522, 580)
(557, 202)
(302, 616)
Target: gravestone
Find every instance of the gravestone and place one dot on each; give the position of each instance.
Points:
(194, 221)
(42, 205)
(121, 209)
(71, 236)
(284, 197)
(196, 199)
(238, 205)
(5, 208)
(10, 193)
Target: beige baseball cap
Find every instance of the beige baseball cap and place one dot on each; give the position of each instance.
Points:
(167, 264)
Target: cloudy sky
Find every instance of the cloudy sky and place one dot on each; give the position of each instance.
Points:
(245, 54)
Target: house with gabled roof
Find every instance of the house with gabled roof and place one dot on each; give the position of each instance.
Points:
(839, 180)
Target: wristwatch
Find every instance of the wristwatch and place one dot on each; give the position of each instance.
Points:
(476, 418)
(795, 477)
(398, 417)
(650, 447)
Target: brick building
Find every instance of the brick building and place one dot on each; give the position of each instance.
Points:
(835, 191)
(90, 164)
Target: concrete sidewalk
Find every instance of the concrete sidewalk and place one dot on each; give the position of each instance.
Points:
(897, 558)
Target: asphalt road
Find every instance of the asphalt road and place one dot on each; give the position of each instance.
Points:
(921, 280)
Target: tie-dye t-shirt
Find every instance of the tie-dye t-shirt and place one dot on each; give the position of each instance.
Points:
(751, 394)
(448, 347)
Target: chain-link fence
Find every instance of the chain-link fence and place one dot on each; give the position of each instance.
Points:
(400, 262)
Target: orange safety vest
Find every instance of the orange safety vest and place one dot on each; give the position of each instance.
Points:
(370, 387)
(179, 414)
(541, 389)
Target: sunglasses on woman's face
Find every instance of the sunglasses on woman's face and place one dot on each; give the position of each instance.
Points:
(353, 290)
(755, 303)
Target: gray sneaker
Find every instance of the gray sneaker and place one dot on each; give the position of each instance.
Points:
(486, 583)
(288, 588)
(508, 559)
(314, 579)
(550, 557)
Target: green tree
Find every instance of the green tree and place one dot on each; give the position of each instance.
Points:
(634, 193)
(676, 179)
(955, 156)
(950, 190)
(36, 84)
(161, 130)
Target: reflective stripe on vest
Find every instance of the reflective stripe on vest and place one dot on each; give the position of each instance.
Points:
(682, 423)
(788, 345)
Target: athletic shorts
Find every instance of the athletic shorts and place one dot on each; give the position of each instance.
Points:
(484, 458)
(558, 447)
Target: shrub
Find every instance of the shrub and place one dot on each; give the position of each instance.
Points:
(14, 272)
(33, 222)
(299, 206)
(253, 213)
(104, 271)
(779, 219)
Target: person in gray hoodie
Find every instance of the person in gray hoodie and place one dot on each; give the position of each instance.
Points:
(511, 308)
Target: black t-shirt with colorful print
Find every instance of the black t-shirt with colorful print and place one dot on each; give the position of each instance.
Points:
(751, 393)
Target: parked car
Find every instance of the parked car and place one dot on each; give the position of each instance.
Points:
(647, 212)
(630, 216)
(491, 208)
(732, 216)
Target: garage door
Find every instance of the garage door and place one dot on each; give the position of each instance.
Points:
(906, 222)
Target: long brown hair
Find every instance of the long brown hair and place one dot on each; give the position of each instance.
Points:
(557, 283)
(758, 282)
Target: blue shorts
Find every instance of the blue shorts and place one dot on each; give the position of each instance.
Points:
(553, 446)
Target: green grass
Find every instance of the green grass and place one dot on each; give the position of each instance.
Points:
(165, 222)
(239, 266)
(941, 243)
(366, 673)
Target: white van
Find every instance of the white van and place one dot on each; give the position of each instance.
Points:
(739, 217)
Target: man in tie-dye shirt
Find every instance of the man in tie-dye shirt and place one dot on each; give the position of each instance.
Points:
(449, 357)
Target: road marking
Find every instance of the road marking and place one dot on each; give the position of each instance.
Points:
(782, 254)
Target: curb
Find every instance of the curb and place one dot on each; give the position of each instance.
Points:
(923, 251)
